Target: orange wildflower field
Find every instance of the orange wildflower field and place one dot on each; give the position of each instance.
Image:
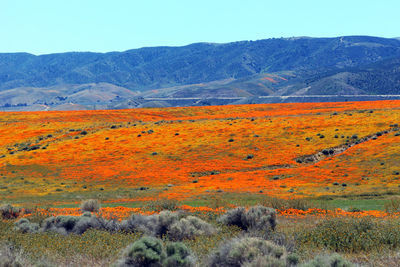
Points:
(304, 150)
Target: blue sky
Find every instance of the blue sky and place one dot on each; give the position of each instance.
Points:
(50, 26)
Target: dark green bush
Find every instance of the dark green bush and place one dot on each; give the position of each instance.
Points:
(150, 251)
(178, 255)
(145, 252)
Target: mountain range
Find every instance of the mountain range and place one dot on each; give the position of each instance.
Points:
(203, 74)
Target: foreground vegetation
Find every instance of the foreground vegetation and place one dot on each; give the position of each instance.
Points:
(255, 236)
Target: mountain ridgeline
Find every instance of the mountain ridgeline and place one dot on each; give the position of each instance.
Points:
(206, 72)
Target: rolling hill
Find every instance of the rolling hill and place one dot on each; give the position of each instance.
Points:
(143, 77)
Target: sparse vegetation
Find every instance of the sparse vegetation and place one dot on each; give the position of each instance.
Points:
(91, 205)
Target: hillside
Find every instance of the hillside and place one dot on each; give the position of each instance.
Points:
(350, 65)
(158, 67)
(282, 150)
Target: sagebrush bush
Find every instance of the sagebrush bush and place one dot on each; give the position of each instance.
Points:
(167, 223)
(68, 224)
(248, 251)
(156, 224)
(90, 205)
(178, 255)
(9, 257)
(25, 226)
(60, 224)
(173, 224)
(261, 218)
(234, 217)
(334, 260)
(257, 218)
(8, 211)
(150, 251)
(189, 227)
(88, 221)
(145, 252)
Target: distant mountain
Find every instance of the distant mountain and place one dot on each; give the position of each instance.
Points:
(89, 95)
(206, 72)
(380, 78)
(157, 67)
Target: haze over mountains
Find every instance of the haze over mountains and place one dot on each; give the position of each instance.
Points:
(202, 74)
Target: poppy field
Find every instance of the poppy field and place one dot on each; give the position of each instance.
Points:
(322, 167)
(194, 154)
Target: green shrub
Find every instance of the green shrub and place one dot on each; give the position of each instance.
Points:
(178, 255)
(91, 205)
(334, 260)
(149, 251)
(145, 252)
(292, 259)
(248, 251)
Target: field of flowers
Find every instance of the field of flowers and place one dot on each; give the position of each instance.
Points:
(330, 170)
(128, 156)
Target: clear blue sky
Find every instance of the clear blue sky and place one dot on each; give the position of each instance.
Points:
(49, 26)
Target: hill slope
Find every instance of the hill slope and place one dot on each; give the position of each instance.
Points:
(157, 67)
